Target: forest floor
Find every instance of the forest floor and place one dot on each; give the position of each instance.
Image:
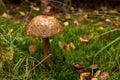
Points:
(88, 49)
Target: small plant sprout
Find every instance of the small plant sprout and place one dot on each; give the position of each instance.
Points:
(43, 26)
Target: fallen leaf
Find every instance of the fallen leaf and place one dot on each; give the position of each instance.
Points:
(80, 10)
(22, 13)
(35, 8)
(76, 23)
(91, 20)
(33, 49)
(61, 44)
(78, 67)
(96, 11)
(95, 67)
(86, 38)
(97, 73)
(89, 36)
(104, 75)
(113, 11)
(107, 20)
(117, 18)
(83, 40)
(79, 18)
(94, 79)
(33, 4)
(10, 31)
(66, 23)
(9, 56)
(72, 9)
(68, 16)
(99, 23)
(85, 16)
(72, 46)
(85, 76)
(6, 15)
(117, 23)
(48, 9)
(100, 28)
(67, 47)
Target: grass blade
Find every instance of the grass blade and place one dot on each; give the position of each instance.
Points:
(17, 66)
(112, 42)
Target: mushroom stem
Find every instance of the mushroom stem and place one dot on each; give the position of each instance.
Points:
(47, 50)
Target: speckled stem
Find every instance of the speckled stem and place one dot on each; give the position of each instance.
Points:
(47, 50)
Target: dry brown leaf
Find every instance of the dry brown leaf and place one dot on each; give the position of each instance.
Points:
(84, 76)
(94, 79)
(85, 16)
(107, 20)
(79, 18)
(113, 11)
(104, 75)
(72, 9)
(99, 23)
(95, 66)
(90, 36)
(48, 9)
(86, 38)
(76, 23)
(117, 22)
(68, 16)
(80, 10)
(78, 67)
(83, 40)
(6, 15)
(96, 11)
(33, 49)
(22, 13)
(35, 8)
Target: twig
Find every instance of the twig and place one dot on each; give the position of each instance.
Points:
(40, 63)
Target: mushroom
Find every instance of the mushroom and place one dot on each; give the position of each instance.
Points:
(43, 26)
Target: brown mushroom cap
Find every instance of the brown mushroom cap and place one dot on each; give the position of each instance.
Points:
(43, 26)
